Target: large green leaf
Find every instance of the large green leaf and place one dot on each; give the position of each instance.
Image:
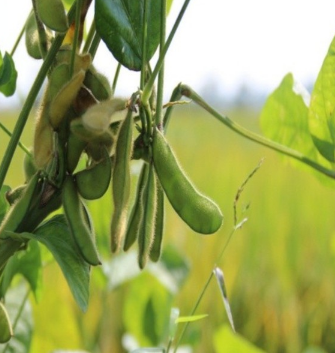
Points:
(284, 119)
(322, 107)
(29, 264)
(55, 235)
(147, 310)
(8, 75)
(120, 25)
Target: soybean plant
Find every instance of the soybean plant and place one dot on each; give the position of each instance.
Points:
(86, 138)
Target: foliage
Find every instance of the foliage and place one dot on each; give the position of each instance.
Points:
(83, 135)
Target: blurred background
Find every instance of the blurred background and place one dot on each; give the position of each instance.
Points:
(280, 267)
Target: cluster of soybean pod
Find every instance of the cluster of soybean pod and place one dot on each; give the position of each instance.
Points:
(79, 119)
(84, 138)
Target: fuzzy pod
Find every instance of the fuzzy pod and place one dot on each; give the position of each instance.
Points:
(43, 141)
(52, 14)
(61, 103)
(148, 221)
(19, 210)
(98, 117)
(93, 182)
(32, 40)
(156, 247)
(121, 181)
(98, 84)
(29, 166)
(135, 218)
(74, 149)
(77, 221)
(197, 210)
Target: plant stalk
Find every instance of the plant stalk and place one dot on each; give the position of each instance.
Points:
(160, 85)
(189, 92)
(149, 85)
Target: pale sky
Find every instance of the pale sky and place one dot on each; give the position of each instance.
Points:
(231, 42)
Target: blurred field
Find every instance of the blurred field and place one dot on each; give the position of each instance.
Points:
(279, 268)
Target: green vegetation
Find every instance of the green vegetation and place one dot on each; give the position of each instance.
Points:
(277, 254)
(279, 268)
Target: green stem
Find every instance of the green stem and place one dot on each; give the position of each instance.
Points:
(160, 85)
(149, 85)
(20, 144)
(193, 311)
(89, 38)
(116, 77)
(175, 96)
(18, 39)
(76, 36)
(144, 44)
(94, 44)
(188, 92)
(29, 102)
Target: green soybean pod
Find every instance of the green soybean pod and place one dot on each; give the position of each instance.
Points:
(77, 221)
(75, 148)
(31, 38)
(29, 166)
(6, 330)
(93, 182)
(19, 209)
(98, 84)
(60, 104)
(156, 248)
(148, 221)
(121, 180)
(137, 210)
(52, 14)
(197, 210)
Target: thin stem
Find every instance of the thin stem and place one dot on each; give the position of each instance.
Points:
(94, 44)
(20, 144)
(149, 85)
(116, 77)
(193, 311)
(29, 102)
(75, 43)
(175, 96)
(89, 38)
(144, 44)
(188, 92)
(160, 85)
(18, 39)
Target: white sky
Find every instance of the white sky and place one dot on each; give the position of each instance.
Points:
(231, 42)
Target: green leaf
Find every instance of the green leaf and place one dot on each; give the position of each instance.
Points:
(55, 235)
(147, 310)
(190, 318)
(225, 340)
(8, 75)
(23, 330)
(120, 25)
(4, 205)
(322, 107)
(284, 119)
(28, 263)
